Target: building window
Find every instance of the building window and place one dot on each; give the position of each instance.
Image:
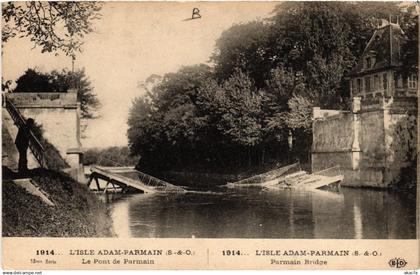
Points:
(385, 82)
(412, 81)
(359, 86)
(368, 62)
(399, 81)
(376, 82)
(367, 84)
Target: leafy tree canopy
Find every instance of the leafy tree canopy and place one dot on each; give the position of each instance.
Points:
(54, 26)
(244, 47)
(266, 78)
(320, 40)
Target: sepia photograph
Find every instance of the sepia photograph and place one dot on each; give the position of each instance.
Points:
(214, 120)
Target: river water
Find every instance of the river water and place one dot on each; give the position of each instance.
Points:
(255, 213)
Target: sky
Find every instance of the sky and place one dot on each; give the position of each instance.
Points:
(131, 41)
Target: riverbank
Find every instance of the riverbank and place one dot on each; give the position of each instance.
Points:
(76, 211)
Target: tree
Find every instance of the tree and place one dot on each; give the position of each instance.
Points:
(359, 18)
(243, 47)
(61, 81)
(164, 126)
(410, 48)
(65, 80)
(313, 39)
(54, 26)
(404, 152)
(281, 87)
(320, 40)
(189, 119)
(299, 117)
(144, 133)
(238, 105)
(33, 81)
(267, 76)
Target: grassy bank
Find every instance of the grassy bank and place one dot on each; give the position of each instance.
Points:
(77, 212)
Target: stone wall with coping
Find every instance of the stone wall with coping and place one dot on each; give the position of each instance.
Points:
(361, 141)
(341, 126)
(44, 100)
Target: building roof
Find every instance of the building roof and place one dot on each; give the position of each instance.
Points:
(384, 48)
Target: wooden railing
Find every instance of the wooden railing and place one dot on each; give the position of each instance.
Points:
(34, 144)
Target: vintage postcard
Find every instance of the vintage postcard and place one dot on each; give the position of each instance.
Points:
(210, 135)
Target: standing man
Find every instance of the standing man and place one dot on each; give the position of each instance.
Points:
(22, 144)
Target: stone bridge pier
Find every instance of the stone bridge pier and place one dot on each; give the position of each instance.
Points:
(59, 116)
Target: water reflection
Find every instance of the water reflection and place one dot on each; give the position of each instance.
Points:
(358, 225)
(255, 213)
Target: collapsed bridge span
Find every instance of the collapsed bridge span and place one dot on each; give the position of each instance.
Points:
(123, 178)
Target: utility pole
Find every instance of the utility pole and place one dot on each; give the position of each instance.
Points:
(73, 58)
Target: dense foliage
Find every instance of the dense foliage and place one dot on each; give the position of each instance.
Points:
(255, 104)
(61, 81)
(405, 152)
(53, 26)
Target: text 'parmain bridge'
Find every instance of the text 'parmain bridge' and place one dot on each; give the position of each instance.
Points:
(128, 177)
